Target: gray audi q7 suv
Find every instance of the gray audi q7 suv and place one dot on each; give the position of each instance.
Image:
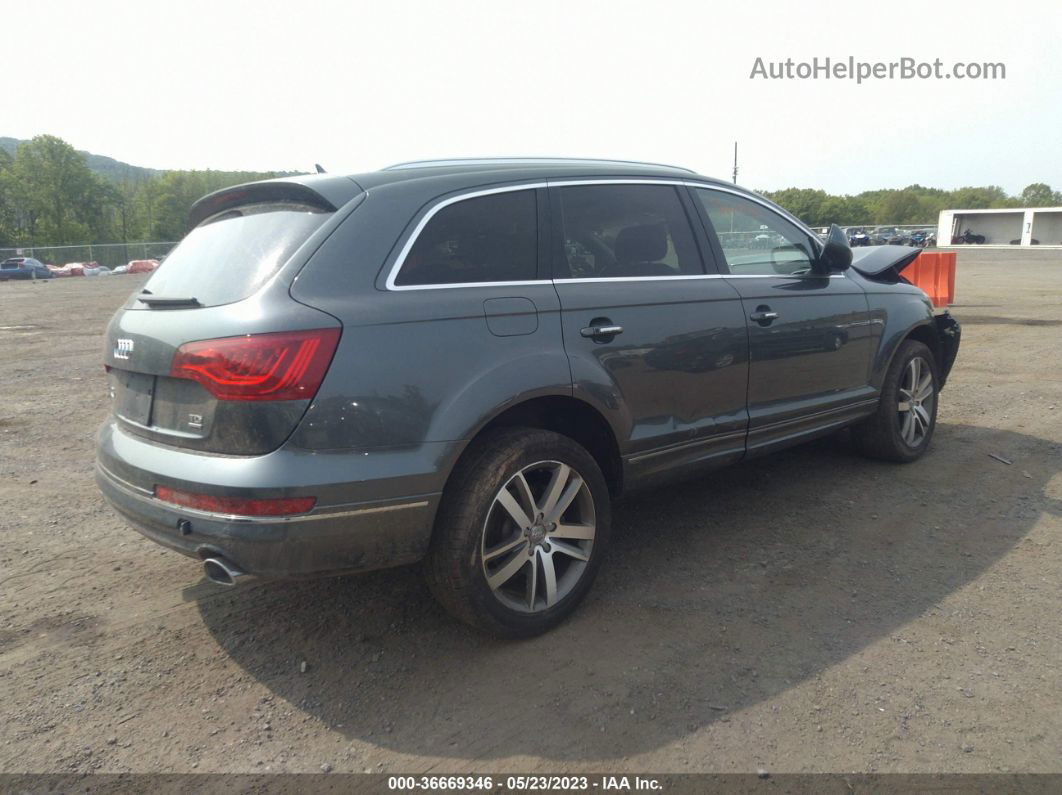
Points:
(463, 363)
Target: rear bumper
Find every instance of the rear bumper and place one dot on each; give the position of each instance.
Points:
(335, 537)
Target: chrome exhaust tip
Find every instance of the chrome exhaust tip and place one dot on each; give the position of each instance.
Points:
(222, 572)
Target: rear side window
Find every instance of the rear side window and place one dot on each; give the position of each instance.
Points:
(491, 238)
(756, 241)
(229, 256)
(626, 231)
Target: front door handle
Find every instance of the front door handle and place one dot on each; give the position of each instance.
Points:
(763, 315)
(601, 332)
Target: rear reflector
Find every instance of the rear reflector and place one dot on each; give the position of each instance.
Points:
(288, 365)
(237, 506)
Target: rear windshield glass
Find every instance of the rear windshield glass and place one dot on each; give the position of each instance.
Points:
(227, 257)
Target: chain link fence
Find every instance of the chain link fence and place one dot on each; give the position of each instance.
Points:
(109, 254)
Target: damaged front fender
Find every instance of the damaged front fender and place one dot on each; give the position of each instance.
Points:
(949, 332)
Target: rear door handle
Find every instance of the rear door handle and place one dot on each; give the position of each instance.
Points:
(601, 331)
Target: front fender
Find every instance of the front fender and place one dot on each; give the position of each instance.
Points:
(900, 311)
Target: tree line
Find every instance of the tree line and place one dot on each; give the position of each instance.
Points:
(50, 197)
(910, 206)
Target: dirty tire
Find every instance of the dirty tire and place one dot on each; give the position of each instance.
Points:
(880, 435)
(454, 567)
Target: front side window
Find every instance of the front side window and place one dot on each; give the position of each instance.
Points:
(756, 240)
(491, 238)
(615, 231)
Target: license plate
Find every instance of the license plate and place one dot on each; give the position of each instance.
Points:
(133, 394)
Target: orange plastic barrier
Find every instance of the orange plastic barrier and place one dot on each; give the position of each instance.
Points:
(934, 272)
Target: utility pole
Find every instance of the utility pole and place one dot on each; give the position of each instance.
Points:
(735, 163)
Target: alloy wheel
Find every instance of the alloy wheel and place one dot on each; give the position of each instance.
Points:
(916, 396)
(538, 536)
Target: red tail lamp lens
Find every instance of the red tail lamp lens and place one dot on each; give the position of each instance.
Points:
(287, 365)
(237, 506)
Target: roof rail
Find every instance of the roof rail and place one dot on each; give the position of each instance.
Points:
(491, 161)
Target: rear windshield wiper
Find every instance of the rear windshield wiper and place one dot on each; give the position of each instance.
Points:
(163, 300)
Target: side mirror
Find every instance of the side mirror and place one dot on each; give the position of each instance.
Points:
(836, 255)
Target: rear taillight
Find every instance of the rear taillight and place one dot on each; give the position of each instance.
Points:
(236, 506)
(287, 365)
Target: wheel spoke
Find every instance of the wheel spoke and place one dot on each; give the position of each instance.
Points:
(903, 405)
(922, 415)
(582, 532)
(570, 550)
(518, 541)
(513, 508)
(570, 493)
(908, 428)
(549, 574)
(915, 373)
(925, 388)
(525, 495)
(555, 488)
(508, 571)
(532, 584)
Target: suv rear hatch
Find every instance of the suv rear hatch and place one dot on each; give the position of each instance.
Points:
(213, 354)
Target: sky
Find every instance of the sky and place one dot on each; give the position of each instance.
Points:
(358, 85)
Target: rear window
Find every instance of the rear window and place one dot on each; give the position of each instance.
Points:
(10, 264)
(229, 256)
(491, 238)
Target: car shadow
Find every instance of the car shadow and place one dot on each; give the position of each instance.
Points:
(717, 593)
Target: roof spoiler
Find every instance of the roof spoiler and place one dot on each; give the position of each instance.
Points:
(878, 260)
(254, 193)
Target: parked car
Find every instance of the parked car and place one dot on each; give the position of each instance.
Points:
(881, 237)
(464, 363)
(142, 265)
(858, 237)
(95, 269)
(923, 238)
(73, 268)
(23, 268)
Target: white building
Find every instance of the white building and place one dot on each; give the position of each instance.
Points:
(1032, 226)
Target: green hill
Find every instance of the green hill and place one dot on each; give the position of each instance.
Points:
(114, 170)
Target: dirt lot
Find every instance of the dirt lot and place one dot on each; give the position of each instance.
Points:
(810, 612)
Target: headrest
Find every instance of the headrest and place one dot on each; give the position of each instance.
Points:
(642, 243)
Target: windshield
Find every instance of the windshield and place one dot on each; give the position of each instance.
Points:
(229, 256)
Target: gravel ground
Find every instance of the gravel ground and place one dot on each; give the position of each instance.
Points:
(810, 612)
